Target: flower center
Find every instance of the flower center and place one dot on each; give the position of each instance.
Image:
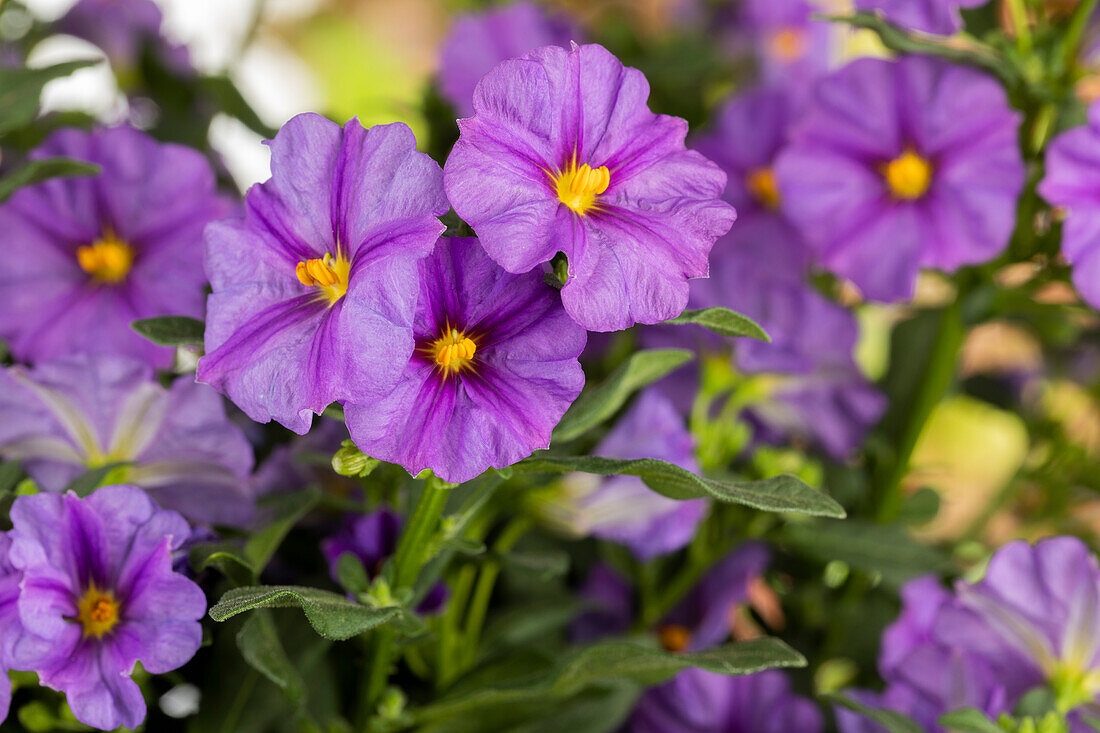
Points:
(329, 275)
(787, 44)
(673, 637)
(763, 187)
(578, 188)
(97, 611)
(453, 351)
(107, 260)
(908, 176)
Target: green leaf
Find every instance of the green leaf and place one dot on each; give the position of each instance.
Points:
(723, 322)
(40, 170)
(892, 721)
(777, 494)
(10, 471)
(171, 330)
(456, 227)
(285, 510)
(225, 557)
(20, 89)
(886, 549)
(351, 574)
(88, 482)
(969, 720)
(259, 644)
(612, 662)
(598, 404)
(330, 614)
(545, 565)
(229, 100)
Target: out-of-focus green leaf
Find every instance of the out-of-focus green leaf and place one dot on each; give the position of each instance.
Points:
(613, 662)
(331, 615)
(10, 471)
(456, 227)
(969, 720)
(91, 480)
(41, 169)
(225, 557)
(892, 721)
(171, 330)
(601, 402)
(229, 100)
(544, 565)
(351, 574)
(21, 88)
(259, 643)
(285, 511)
(723, 322)
(776, 494)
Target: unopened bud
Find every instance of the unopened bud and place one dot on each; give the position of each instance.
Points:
(350, 461)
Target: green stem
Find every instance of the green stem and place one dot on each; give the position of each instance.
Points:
(483, 591)
(1018, 13)
(1076, 29)
(938, 373)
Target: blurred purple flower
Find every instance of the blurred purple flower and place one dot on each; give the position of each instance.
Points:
(940, 17)
(10, 629)
(564, 155)
(123, 29)
(494, 369)
(478, 42)
(372, 539)
(86, 256)
(610, 607)
(792, 48)
(623, 509)
(315, 288)
(1072, 181)
(899, 165)
(304, 461)
(65, 417)
(697, 701)
(98, 595)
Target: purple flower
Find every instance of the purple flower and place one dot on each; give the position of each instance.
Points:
(123, 29)
(899, 165)
(98, 595)
(65, 417)
(372, 538)
(87, 256)
(563, 155)
(1072, 181)
(494, 369)
(478, 42)
(697, 701)
(940, 17)
(609, 605)
(315, 288)
(10, 629)
(622, 508)
(791, 47)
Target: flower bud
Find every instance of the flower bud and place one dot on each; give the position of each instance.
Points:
(350, 461)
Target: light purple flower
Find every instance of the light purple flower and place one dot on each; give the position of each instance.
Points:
(478, 42)
(10, 628)
(315, 289)
(98, 595)
(86, 256)
(623, 509)
(65, 417)
(372, 539)
(124, 29)
(697, 701)
(940, 17)
(792, 48)
(1072, 181)
(899, 165)
(563, 155)
(494, 369)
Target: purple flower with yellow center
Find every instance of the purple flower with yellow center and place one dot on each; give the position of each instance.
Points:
(494, 369)
(65, 417)
(898, 165)
(98, 595)
(478, 42)
(124, 29)
(86, 256)
(792, 48)
(315, 288)
(622, 508)
(1072, 182)
(939, 17)
(372, 539)
(563, 155)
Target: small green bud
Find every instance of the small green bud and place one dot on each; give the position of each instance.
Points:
(350, 461)
(392, 704)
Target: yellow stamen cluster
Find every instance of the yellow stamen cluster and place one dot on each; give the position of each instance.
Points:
(908, 176)
(107, 260)
(578, 187)
(328, 274)
(97, 611)
(787, 45)
(763, 187)
(673, 637)
(453, 351)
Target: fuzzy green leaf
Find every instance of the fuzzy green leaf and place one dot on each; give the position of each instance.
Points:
(723, 322)
(331, 615)
(171, 330)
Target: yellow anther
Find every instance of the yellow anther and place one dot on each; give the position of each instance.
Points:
(328, 274)
(97, 611)
(578, 187)
(673, 637)
(908, 176)
(763, 187)
(787, 45)
(453, 351)
(107, 260)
